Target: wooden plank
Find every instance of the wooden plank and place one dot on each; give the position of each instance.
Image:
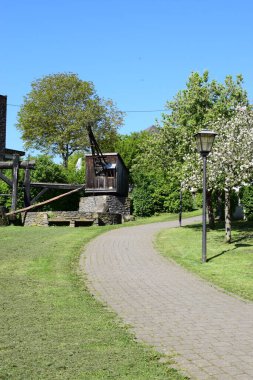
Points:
(25, 209)
(60, 186)
(43, 191)
(22, 164)
(6, 179)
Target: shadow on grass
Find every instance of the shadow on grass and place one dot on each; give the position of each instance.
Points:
(229, 250)
(195, 227)
(220, 254)
(241, 227)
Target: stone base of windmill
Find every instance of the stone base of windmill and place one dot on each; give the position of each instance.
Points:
(111, 204)
(99, 210)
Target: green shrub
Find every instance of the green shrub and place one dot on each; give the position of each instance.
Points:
(218, 201)
(246, 195)
(172, 202)
(142, 202)
(198, 200)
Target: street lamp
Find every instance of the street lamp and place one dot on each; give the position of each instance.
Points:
(204, 140)
(180, 206)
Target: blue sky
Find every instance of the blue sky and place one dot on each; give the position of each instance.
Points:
(139, 53)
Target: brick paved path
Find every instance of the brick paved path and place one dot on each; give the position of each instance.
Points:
(209, 332)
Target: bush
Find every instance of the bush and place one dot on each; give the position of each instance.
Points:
(246, 195)
(142, 202)
(147, 200)
(218, 201)
(172, 202)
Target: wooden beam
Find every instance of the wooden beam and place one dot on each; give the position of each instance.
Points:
(22, 164)
(43, 191)
(43, 203)
(15, 182)
(27, 195)
(6, 179)
(60, 186)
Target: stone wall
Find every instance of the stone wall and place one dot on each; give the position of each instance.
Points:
(70, 218)
(108, 219)
(105, 203)
(36, 219)
(93, 210)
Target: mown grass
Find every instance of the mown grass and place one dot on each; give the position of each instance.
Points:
(164, 217)
(229, 266)
(50, 326)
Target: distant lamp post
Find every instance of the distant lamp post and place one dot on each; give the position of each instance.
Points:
(180, 205)
(204, 140)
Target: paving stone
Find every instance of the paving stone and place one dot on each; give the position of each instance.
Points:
(210, 332)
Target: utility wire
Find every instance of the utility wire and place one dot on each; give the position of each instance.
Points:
(146, 111)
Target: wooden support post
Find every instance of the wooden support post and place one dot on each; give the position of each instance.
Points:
(44, 202)
(27, 195)
(15, 182)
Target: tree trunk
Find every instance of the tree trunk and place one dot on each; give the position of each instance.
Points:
(65, 161)
(219, 206)
(227, 216)
(210, 209)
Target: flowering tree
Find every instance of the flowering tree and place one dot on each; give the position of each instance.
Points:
(230, 164)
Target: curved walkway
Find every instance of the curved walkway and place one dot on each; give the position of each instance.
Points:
(209, 333)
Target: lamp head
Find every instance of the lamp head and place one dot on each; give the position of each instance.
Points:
(204, 141)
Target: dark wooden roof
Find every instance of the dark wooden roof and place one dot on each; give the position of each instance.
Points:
(7, 151)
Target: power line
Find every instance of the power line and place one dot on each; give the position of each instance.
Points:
(128, 111)
(146, 111)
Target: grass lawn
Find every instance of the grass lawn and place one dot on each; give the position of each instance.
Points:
(230, 266)
(165, 217)
(50, 326)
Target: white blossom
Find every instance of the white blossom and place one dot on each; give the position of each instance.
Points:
(230, 164)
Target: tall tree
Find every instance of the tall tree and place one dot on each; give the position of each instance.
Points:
(56, 112)
(129, 146)
(161, 157)
(200, 105)
(156, 172)
(202, 102)
(230, 164)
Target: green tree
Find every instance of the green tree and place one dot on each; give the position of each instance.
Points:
(129, 146)
(56, 112)
(230, 164)
(75, 174)
(201, 103)
(199, 106)
(156, 170)
(161, 156)
(46, 170)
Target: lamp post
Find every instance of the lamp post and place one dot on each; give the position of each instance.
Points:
(204, 140)
(180, 206)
